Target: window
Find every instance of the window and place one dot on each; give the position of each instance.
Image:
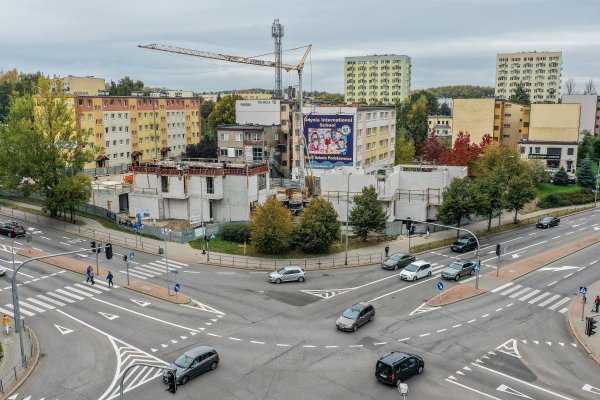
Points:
(537, 150)
(210, 185)
(107, 143)
(222, 136)
(522, 149)
(239, 152)
(359, 134)
(223, 152)
(570, 151)
(239, 137)
(164, 183)
(257, 153)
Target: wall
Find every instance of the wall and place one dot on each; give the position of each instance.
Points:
(589, 104)
(261, 112)
(554, 122)
(475, 116)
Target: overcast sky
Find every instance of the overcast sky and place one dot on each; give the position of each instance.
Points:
(451, 42)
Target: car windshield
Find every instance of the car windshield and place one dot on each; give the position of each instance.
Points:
(455, 266)
(463, 241)
(396, 257)
(281, 271)
(184, 361)
(411, 268)
(546, 219)
(350, 313)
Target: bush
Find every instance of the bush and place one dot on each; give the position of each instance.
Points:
(238, 233)
(554, 200)
(582, 196)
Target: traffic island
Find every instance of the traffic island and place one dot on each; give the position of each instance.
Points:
(65, 262)
(454, 294)
(160, 292)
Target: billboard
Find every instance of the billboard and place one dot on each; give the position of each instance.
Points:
(330, 140)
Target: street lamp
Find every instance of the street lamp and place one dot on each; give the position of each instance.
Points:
(347, 207)
(165, 232)
(15, 298)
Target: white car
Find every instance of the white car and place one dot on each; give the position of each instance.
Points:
(2, 270)
(416, 270)
(287, 274)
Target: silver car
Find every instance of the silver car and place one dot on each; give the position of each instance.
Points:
(192, 363)
(287, 274)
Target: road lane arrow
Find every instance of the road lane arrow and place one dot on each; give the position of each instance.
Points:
(590, 388)
(63, 330)
(110, 317)
(563, 268)
(141, 303)
(506, 389)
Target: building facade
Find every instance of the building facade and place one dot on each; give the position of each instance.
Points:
(83, 85)
(377, 79)
(590, 111)
(538, 72)
(441, 125)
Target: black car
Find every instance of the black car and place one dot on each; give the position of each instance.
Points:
(398, 260)
(458, 269)
(548, 222)
(464, 244)
(12, 229)
(397, 366)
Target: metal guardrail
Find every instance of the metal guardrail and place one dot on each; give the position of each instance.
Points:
(18, 369)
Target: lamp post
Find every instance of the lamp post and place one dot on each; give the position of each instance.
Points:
(596, 192)
(347, 207)
(165, 232)
(15, 299)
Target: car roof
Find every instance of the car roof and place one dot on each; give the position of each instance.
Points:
(360, 306)
(196, 351)
(395, 356)
(400, 254)
(292, 266)
(420, 262)
(461, 262)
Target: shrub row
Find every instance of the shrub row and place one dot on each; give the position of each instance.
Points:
(554, 200)
(236, 232)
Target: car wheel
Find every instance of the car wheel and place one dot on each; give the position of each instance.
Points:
(10, 235)
(429, 273)
(185, 379)
(301, 279)
(372, 316)
(395, 267)
(277, 280)
(213, 366)
(457, 277)
(420, 371)
(472, 272)
(354, 328)
(414, 278)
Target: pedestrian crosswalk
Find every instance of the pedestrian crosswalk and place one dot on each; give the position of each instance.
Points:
(69, 294)
(154, 268)
(532, 296)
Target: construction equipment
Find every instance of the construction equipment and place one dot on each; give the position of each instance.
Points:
(260, 63)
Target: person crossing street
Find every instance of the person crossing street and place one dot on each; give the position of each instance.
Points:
(6, 323)
(109, 278)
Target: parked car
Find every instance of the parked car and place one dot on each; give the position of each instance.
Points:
(398, 260)
(547, 222)
(12, 229)
(192, 363)
(355, 316)
(416, 270)
(286, 274)
(464, 244)
(458, 269)
(397, 366)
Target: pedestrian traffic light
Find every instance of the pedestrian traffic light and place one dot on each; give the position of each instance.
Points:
(109, 252)
(408, 223)
(171, 382)
(125, 257)
(498, 249)
(93, 246)
(590, 326)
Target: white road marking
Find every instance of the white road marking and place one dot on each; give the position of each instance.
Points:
(331, 347)
(541, 296)
(593, 262)
(552, 283)
(283, 345)
(530, 294)
(252, 341)
(380, 343)
(456, 326)
(309, 346)
(502, 287)
(489, 396)
(402, 289)
(441, 330)
(558, 304)
(473, 320)
(512, 289)
(215, 335)
(425, 334)
(355, 345)
(520, 292)
(404, 339)
(509, 390)
(423, 308)
(485, 315)
(568, 275)
(548, 301)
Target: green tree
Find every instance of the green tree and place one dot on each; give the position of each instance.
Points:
(462, 92)
(460, 201)
(207, 148)
(368, 214)
(223, 113)
(13, 83)
(596, 146)
(418, 128)
(431, 99)
(521, 190)
(585, 173)
(538, 170)
(445, 110)
(404, 151)
(125, 87)
(402, 110)
(206, 108)
(40, 142)
(560, 177)
(70, 193)
(271, 227)
(586, 147)
(520, 95)
(318, 228)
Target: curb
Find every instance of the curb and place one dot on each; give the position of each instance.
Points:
(33, 364)
(578, 336)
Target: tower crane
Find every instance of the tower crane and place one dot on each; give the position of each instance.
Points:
(260, 63)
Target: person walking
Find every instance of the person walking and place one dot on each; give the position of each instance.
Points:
(387, 251)
(109, 278)
(87, 272)
(597, 303)
(6, 323)
(427, 232)
(91, 275)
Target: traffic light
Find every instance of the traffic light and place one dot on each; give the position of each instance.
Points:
(109, 252)
(93, 246)
(498, 249)
(408, 223)
(125, 257)
(590, 326)
(171, 382)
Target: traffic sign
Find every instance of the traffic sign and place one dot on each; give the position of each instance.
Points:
(477, 267)
(176, 287)
(212, 236)
(582, 290)
(131, 255)
(440, 286)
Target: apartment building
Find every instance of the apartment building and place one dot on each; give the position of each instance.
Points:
(377, 79)
(590, 111)
(129, 129)
(538, 72)
(441, 125)
(83, 85)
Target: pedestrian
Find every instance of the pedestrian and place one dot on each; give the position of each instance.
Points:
(427, 232)
(88, 274)
(387, 251)
(91, 275)
(6, 323)
(109, 278)
(597, 303)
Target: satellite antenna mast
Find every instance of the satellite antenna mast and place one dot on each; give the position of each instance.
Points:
(277, 33)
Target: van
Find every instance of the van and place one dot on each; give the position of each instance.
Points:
(396, 366)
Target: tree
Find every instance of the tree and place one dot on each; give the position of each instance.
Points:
(462, 92)
(207, 148)
(402, 110)
(418, 128)
(125, 87)
(435, 150)
(460, 201)
(585, 173)
(223, 113)
(318, 228)
(206, 107)
(445, 110)
(430, 98)
(520, 95)
(570, 87)
(40, 142)
(72, 192)
(596, 147)
(538, 170)
(368, 214)
(464, 152)
(521, 190)
(586, 147)
(590, 87)
(13, 83)
(271, 226)
(404, 151)
(560, 177)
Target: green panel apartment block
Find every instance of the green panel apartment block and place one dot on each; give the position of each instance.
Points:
(383, 79)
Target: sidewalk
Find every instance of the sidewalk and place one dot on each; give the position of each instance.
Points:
(590, 343)
(12, 373)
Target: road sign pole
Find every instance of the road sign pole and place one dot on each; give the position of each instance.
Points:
(582, 306)
(127, 262)
(498, 265)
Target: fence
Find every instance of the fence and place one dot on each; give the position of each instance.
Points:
(118, 169)
(17, 369)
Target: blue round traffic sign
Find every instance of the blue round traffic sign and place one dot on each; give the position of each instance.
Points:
(440, 286)
(131, 255)
(176, 287)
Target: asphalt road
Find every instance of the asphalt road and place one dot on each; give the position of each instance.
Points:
(280, 341)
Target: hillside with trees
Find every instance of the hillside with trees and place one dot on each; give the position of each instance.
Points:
(462, 91)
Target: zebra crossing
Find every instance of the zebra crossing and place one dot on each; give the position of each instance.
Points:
(533, 296)
(154, 268)
(51, 300)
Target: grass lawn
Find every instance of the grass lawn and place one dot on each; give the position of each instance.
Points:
(546, 188)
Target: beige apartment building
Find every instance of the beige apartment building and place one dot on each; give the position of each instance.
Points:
(377, 79)
(83, 85)
(441, 125)
(538, 72)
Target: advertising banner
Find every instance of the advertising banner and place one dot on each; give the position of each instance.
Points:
(330, 140)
